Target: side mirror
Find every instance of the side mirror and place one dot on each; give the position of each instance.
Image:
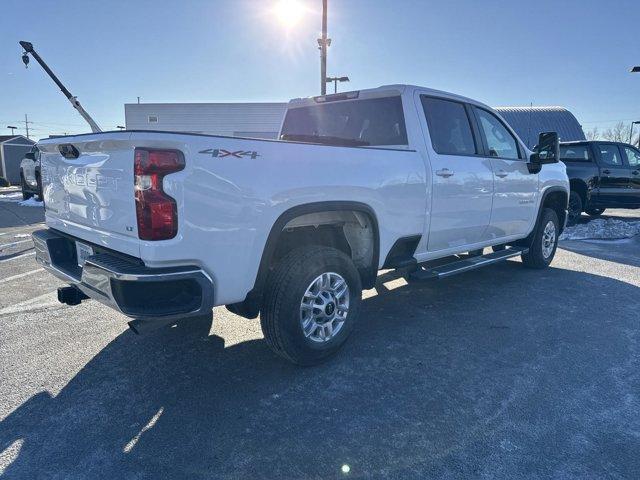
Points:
(546, 151)
(30, 155)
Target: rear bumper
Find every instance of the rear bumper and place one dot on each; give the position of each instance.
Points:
(126, 284)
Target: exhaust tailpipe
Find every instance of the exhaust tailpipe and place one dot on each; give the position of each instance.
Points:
(70, 295)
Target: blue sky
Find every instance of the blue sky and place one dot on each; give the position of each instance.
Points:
(571, 53)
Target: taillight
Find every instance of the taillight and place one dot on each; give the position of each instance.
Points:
(156, 211)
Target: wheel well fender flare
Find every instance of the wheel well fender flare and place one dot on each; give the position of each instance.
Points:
(545, 195)
(580, 187)
(315, 207)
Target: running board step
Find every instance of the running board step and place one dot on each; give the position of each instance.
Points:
(466, 264)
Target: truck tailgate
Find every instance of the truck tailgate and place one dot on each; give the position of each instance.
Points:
(92, 196)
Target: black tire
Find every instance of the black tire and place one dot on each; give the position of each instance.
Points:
(575, 208)
(595, 212)
(280, 317)
(25, 195)
(536, 257)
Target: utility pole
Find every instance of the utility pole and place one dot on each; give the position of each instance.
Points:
(323, 43)
(631, 131)
(26, 124)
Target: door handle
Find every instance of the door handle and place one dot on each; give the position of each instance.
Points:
(445, 172)
(606, 172)
(636, 172)
(501, 173)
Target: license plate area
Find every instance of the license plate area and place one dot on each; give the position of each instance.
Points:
(83, 251)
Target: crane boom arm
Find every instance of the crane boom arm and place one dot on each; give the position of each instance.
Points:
(28, 48)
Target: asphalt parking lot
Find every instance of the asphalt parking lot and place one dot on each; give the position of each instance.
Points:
(499, 373)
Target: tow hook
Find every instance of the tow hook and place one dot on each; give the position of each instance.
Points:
(70, 295)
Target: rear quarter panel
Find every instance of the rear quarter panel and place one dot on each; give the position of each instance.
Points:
(227, 203)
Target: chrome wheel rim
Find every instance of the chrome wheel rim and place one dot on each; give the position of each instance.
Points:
(324, 307)
(548, 239)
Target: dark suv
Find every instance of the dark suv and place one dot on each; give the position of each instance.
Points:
(602, 175)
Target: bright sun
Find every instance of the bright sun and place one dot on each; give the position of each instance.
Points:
(289, 12)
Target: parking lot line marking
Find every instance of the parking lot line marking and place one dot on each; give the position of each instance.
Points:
(30, 226)
(41, 302)
(19, 256)
(20, 275)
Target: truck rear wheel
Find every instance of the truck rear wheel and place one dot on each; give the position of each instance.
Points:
(312, 301)
(545, 241)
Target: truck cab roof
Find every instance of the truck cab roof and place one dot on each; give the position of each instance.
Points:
(595, 142)
(381, 91)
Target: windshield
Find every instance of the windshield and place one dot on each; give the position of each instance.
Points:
(376, 121)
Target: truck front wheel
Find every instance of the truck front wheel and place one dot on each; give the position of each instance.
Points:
(595, 212)
(545, 241)
(575, 208)
(311, 304)
(23, 185)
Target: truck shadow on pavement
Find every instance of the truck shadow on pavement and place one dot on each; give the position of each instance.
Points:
(504, 373)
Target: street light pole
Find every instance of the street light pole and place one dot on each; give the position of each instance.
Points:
(335, 81)
(13, 129)
(323, 43)
(635, 69)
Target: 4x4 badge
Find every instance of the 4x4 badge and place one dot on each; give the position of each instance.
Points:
(221, 153)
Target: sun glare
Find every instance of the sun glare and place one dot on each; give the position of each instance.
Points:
(288, 12)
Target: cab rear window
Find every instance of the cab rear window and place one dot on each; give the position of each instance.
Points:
(367, 122)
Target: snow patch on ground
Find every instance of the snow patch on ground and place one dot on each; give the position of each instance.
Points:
(10, 197)
(22, 235)
(602, 229)
(32, 202)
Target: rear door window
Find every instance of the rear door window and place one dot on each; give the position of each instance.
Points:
(574, 153)
(610, 155)
(449, 126)
(374, 122)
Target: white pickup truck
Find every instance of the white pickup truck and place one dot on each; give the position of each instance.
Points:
(164, 226)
